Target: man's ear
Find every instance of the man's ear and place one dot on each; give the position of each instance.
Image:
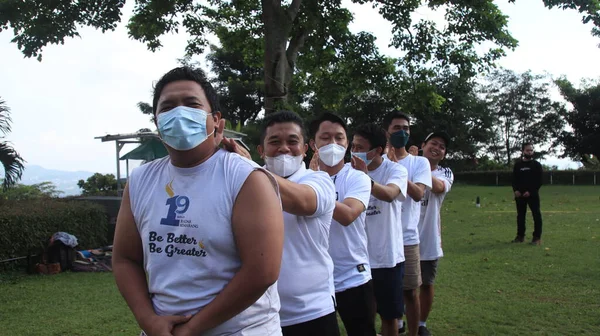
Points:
(305, 149)
(216, 117)
(259, 148)
(312, 145)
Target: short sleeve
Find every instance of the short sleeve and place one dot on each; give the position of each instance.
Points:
(237, 170)
(422, 172)
(321, 183)
(448, 178)
(359, 187)
(398, 176)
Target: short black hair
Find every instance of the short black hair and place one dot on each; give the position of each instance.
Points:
(525, 144)
(387, 120)
(279, 117)
(191, 74)
(374, 134)
(327, 116)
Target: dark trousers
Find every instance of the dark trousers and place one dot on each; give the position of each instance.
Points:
(356, 307)
(534, 204)
(323, 326)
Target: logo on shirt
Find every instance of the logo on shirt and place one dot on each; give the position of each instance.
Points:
(178, 206)
(373, 210)
(175, 245)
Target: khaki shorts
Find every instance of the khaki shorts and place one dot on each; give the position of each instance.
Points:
(412, 267)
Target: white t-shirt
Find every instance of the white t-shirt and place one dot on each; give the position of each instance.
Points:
(348, 244)
(305, 282)
(383, 222)
(430, 228)
(419, 171)
(183, 216)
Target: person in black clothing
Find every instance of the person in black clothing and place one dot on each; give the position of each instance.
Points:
(527, 180)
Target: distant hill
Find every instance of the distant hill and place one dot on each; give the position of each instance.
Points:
(65, 181)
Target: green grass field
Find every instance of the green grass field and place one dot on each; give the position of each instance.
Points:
(485, 285)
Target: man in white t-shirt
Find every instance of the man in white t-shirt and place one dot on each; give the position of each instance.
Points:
(347, 236)
(199, 236)
(305, 282)
(397, 125)
(430, 226)
(383, 222)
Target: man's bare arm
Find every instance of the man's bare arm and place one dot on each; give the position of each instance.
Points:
(257, 224)
(416, 191)
(437, 185)
(127, 263)
(297, 199)
(386, 193)
(347, 211)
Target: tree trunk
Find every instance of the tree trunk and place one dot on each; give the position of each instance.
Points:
(279, 57)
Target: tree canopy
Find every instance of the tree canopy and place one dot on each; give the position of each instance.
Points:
(582, 142)
(288, 30)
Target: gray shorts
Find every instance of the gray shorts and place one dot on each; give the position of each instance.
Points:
(428, 271)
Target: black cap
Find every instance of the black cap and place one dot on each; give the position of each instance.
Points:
(440, 134)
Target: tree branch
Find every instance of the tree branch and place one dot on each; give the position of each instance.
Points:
(293, 9)
(295, 45)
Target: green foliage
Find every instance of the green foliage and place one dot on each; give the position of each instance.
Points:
(35, 24)
(11, 161)
(583, 142)
(524, 112)
(504, 177)
(286, 28)
(21, 192)
(99, 185)
(26, 226)
(463, 114)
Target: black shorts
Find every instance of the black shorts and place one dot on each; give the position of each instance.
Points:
(428, 271)
(326, 326)
(356, 307)
(387, 285)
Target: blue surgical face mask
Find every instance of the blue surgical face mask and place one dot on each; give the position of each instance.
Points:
(183, 128)
(399, 139)
(363, 156)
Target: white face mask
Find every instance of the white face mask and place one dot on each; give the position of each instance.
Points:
(332, 154)
(283, 165)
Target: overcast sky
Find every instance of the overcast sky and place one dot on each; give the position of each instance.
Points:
(90, 85)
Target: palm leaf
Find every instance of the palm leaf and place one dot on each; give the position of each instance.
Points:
(13, 165)
(4, 118)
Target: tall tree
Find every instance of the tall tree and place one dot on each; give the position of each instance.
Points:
(287, 28)
(462, 113)
(12, 162)
(237, 64)
(524, 111)
(582, 142)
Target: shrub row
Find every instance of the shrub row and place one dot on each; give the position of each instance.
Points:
(26, 226)
(504, 178)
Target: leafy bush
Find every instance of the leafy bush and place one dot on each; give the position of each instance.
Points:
(21, 192)
(504, 178)
(26, 226)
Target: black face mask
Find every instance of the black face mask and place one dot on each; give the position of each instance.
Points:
(527, 156)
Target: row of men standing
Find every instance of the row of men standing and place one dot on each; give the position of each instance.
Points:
(387, 202)
(358, 237)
